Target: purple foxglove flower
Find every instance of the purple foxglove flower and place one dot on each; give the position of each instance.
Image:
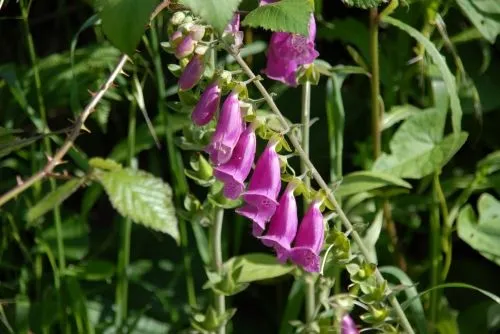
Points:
(175, 38)
(263, 189)
(283, 224)
(192, 73)
(309, 239)
(185, 47)
(234, 28)
(288, 51)
(234, 172)
(348, 325)
(207, 105)
(229, 128)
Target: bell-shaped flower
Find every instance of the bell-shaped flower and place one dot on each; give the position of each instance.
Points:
(192, 73)
(283, 224)
(233, 29)
(263, 189)
(288, 51)
(185, 47)
(208, 104)
(348, 326)
(309, 239)
(234, 172)
(230, 125)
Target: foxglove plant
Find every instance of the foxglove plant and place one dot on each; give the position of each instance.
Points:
(233, 30)
(263, 189)
(288, 51)
(230, 125)
(283, 224)
(348, 326)
(192, 73)
(208, 105)
(309, 239)
(234, 172)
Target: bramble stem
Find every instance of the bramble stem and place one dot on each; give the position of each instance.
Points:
(68, 143)
(305, 118)
(321, 182)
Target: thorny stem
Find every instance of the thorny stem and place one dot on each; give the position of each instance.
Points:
(305, 118)
(321, 182)
(377, 131)
(216, 244)
(68, 143)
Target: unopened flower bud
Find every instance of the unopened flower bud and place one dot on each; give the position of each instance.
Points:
(185, 47)
(201, 49)
(207, 105)
(176, 38)
(192, 73)
(177, 18)
(197, 32)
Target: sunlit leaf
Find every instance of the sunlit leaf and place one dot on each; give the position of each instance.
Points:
(485, 15)
(358, 182)
(213, 12)
(257, 267)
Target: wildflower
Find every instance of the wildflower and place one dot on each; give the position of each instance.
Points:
(309, 239)
(229, 128)
(283, 224)
(192, 73)
(208, 104)
(234, 172)
(288, 51)
(185, 47)
(263, 189)
(233, 29)
(348, 325)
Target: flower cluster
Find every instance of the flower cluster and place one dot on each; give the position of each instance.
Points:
(232, 150)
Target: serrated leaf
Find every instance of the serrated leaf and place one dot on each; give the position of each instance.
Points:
(144, 198)
(53, 199)
(418, 147)
(482, 233)
(364, 3)
(485, 15)
(285, 15)
(440, 62)
(214, 12)
(358, 182)
(124, 21)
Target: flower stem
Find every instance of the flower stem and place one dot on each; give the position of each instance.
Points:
(305, 118)
(125, 233)
(435, 251)
(216, 234)
(377, 132)
(321, 182)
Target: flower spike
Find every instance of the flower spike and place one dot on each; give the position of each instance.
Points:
(263, 189)
(309, 239)
(283, 224)
(229, 128)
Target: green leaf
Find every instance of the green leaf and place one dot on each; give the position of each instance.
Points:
(256, 267)
(285, 15)
(364, 3)
(397, 114)
(335, 116)
(418, 147)
(485, 15)
(105, 164)
(124, 21)
(53, 199)
(142, 197)
(93, 270)
(11, 144)
(483, 233)
(214, 12)
(358, 182)
(439, 60)
(75, 233)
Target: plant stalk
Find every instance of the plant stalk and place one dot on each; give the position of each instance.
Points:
(125, 233)
(216, 244)
(310, 300)
(321, 182)
(435, 251)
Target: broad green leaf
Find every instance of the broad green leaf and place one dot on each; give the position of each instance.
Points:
(440, 62)
(397, 114)
(124, 21)
(482, 233)
(105, 164)
(364, 3)
(142, 197)
(75, 233)
(285, 15)
(416, 307)
(53, 199)
(93, 270)
(485, 15)
(214, 12)
(358, 182)
(418, 147)
(257, 267)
